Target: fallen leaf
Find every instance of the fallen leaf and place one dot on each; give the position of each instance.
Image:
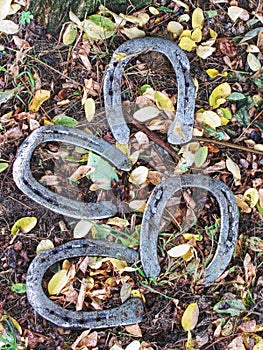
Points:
(242, 204)
(138, 205)
(62, 119)
(163, 101)
(146, 113)
(40, 96)
(154, 11)
(233, 168)
(189, 236)
(234, 307)
(125, 292)
(82, 228)
(139, 175)
(251, 196)
(208, 118)
(90, 109)
(142, 18)
(253, 62)
(213, 73)
(250, 270)
(175, 28)
(8, 27)
(24, 225)
(219, 94)
(7, 95)
(197, 18)
(190, 317)
(98, 28)
(227, 47)
(179, 250)
(82, 294)
(133, 32)
(70, 34)
(3, 166)
(200, 156)
(234, 12)
(4, 8)
(43, 245)
(187, 44)
(119, 222)
(135, 331)
(58, 282)
(82, 171)
(204, 51)
(19, 288)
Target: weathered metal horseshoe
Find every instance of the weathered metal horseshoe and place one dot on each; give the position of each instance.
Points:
(128, 313)
(153, 215)
(59, 204)
(186, 91)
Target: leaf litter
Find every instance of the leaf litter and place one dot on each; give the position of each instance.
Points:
(218, 49)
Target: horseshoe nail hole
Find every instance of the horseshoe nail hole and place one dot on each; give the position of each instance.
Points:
(115, 64)
(111, 78)
(110, 92)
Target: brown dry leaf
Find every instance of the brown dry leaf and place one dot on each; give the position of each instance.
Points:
(250, 269)
(227, 47)
(80, 337)
(142, 138)
(134, 330)
(248, 326)
(83, 55)
(49, 180)
(236, 344)
(21, 43)
(81, 172)
(242, 204)
(125, 292)
(138, 205)
(154, 177)
(82, 294)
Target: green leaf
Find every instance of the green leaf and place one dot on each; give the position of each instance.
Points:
(3, 167)
(242, 116)
(5, 96)
(103, 22)
(201, 155)
(211, 13)
(24, 225)
(70, 34)
(144, 88)
(258, 82)
(219, 135)
(236, 96)
(103, 172)
(229, 306)
(165, 9)
(64, 120)
(19, 288)
(25, 17)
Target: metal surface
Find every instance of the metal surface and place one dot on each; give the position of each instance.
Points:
(184, 117)
(128, 313)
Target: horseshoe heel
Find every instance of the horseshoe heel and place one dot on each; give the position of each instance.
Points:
(184, 117)
(153, 215)
(128, 313)
(59, 204)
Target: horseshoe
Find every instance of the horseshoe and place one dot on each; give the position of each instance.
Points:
(184, 118)
(153, 214)
(128, 313)
(28, 184)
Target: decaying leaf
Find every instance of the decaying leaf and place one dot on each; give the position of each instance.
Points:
(179, 250)
(90, 109)
(204, 51)
(58, 282)
(125, 292)
(233, 168)
(139, 175)
(82, 228)
(70, 34)
(200, 156)
(82, 171)
(8, 27)
(40, 96)
(242, 204)
(133, 32)
(24, 225)
(135, 331)
(234, 12)
(44, 244)
(210, 118)
(234, 307)
(190, 317)
(250, 270)
(251, 196)
(146, 113)
(253, 62)
(119, 222)
(255, 244)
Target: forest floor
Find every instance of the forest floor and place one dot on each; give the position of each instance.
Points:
(67, 72)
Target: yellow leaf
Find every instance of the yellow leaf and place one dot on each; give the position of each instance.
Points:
(186, 33)
(212, 72)
(197, 35)
(190, 317)
(139, 175)
(124, 148)
(212, 33)
(181, 4)
(15, 323)
(204, 51)
(187, 44)
(189, 236)
(251, 196)
(117, 264)
(24, 225)
(175, 28)
(197, 18)
(119, 222)
(208, 118)
(44, 244)
(142, 18)
(133, 32)
(242, 204)
(39, 97)
(179, 250)
(219, 94)
(233, 168)
(120, 56)
(163, 101)
(253, 62)
(58, 282)
(4, 8)
(153, 10)
(90, 108)
(70, 34)
(234, 12)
